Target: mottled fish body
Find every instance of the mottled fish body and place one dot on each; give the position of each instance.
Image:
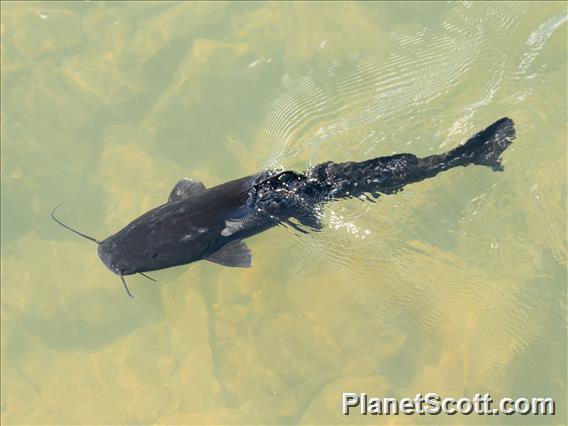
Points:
(210, 224)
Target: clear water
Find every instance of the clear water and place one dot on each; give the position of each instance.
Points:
(456, 285)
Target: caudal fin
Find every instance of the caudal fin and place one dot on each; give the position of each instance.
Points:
(390, 174)
(486, 147)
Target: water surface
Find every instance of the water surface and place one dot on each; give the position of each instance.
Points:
(456, 285)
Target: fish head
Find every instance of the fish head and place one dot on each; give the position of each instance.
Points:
(156, 240)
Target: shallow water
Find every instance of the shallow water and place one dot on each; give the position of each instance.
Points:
(456, 285)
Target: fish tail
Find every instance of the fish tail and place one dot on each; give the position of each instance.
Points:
(485, 148)
(390, 174)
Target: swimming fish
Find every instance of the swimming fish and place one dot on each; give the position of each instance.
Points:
(199, 223)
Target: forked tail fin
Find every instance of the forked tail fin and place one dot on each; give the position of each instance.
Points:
(290, 194)
(486, 147)
(390, 174)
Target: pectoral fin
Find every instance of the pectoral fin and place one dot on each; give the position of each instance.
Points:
(235, 254)
(184, 188)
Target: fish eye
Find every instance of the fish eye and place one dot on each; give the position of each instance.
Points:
(151, 254)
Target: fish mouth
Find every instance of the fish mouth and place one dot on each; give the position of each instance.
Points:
(108, 262)
(106, 259)
(111, 263)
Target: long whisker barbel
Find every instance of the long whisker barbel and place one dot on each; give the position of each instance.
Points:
(71, 229)
(97, 242)
(125, 286)
(144, 275)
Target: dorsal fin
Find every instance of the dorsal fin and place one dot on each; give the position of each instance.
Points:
(184, 188)
(235, 254)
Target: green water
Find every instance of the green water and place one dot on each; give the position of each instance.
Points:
(456, 285)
